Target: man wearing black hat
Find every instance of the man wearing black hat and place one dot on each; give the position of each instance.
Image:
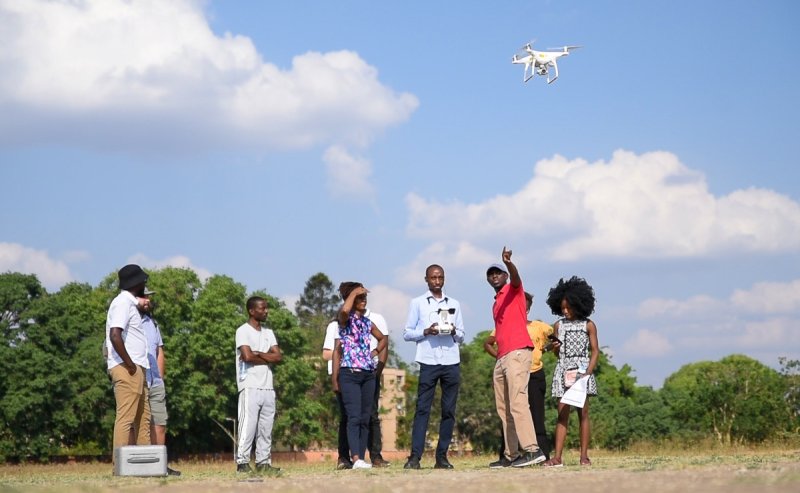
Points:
(127, 359)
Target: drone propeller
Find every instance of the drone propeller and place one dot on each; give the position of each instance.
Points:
(528, 45)
(564, 48)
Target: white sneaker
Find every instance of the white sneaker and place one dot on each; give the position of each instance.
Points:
(361, 464)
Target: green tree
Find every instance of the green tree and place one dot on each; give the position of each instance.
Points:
(617, 422)
(790, 370)
(736, 399)
(58, 398)
(476, 416)
(176, 290)
(202, 371)
(316, 308)
(17, 291)
(300, 403)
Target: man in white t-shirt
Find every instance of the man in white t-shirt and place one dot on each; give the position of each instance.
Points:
(126, 360)
(374, 442)
(256, 350)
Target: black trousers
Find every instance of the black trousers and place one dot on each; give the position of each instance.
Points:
(537, 387)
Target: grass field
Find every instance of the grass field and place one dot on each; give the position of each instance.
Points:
(727, 471)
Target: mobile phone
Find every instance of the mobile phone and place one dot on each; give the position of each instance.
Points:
(553, 340)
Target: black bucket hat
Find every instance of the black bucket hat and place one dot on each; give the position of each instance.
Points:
(131, 275)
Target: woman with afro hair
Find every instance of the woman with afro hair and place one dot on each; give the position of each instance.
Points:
(576, 347)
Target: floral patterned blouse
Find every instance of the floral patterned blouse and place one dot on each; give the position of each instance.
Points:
(355, 340)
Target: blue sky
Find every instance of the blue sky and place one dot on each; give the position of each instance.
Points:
(271, 140)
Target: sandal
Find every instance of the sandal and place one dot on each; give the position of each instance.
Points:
(585, 461)
(552, 463)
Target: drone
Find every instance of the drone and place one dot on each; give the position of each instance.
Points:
(539, 62)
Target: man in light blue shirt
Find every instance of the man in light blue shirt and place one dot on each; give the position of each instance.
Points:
(434, 323)
(155, 375)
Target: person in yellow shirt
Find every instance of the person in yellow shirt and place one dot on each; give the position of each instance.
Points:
(537, 383)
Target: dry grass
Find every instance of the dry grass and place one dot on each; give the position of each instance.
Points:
(728, 470)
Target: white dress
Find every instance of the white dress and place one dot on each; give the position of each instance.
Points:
(573, 354)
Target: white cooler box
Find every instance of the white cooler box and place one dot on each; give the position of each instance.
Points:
(140, 460)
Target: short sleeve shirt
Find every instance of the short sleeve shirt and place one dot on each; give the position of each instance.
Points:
(248, 375)
(511, 320)
(355, 340)
(124, 314)
(332, 333)
(154, 342)
(538, 331)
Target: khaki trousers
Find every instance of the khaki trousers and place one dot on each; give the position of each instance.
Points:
(510, 380)
(133, 407)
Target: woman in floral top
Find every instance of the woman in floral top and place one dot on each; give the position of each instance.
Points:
(354, 367)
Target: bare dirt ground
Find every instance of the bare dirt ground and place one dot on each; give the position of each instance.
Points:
(772, 471)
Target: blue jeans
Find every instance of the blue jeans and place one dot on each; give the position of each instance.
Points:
(448, 376)
(358, 393)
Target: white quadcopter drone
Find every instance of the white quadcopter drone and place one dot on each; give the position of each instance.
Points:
(539, 62)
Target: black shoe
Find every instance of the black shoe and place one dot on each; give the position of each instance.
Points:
(172, 472)
(503, 462)
(244, 468)
(413, 463)
(343, 464)
(529, 458)
(443, 463)
(267, 468)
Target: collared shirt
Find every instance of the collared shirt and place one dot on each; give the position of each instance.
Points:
(439, 349)
(511, 320)
(124, 313)
(154, 343)
(332, 333)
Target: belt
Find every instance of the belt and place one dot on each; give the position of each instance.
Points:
(355, 370)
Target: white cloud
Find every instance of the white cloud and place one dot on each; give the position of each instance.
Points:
(768, 298)
(180, 261)
(449, 256)
(762, 299)
(392, 304)
(759, 318)
(120, 74)
(701, 306)
(348, 175)
(76, 256)
(648, 205)
(52, 273)
(648, 343)
(775, 333)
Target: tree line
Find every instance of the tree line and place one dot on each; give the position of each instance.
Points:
(56, 398)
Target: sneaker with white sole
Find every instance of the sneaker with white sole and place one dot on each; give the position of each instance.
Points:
(528, 459)
(361, 464)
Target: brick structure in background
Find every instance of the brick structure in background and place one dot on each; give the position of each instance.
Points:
(393, 405)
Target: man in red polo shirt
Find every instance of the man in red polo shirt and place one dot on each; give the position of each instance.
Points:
(512, 370)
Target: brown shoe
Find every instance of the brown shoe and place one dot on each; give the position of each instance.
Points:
(585, 461)
(379, 462)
